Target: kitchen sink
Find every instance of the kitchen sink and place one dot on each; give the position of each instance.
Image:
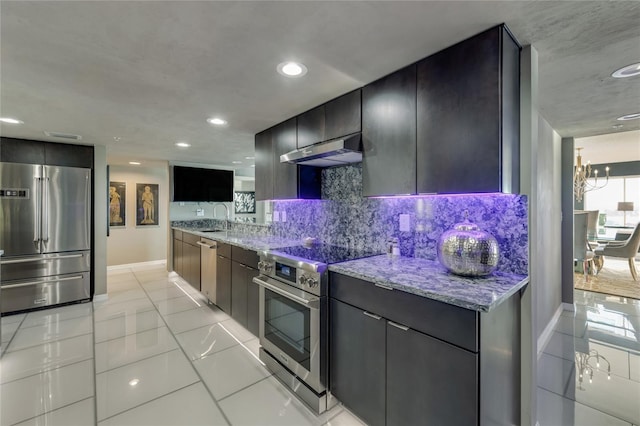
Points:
(211, 230)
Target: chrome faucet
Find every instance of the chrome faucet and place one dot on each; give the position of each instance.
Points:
(226, 209)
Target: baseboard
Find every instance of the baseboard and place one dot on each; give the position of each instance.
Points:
(548, 330)
(100, 298)
(569, 307)
(133, 265)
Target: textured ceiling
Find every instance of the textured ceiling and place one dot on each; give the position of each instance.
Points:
(151, 73)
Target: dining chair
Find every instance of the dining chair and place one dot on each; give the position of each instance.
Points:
(625, 249)
(581, 250)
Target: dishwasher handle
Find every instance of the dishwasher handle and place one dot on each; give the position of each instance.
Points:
(205, 245)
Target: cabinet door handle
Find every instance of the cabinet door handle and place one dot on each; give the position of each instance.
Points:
(401, 327)
(386, 287)
(370, 315)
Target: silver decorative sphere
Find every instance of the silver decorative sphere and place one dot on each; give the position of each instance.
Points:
(467, 251)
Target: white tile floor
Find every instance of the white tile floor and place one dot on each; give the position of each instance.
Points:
(154, 353)
(605, 325)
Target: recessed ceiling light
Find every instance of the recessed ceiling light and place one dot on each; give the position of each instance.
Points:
(134, 382)
(628, 71)
(183, 144)
(292, 69)
(236, 162)
(217, 121)
(249, 158)
(117, 138)
(134, 163)
(9, 120)
(633, 116)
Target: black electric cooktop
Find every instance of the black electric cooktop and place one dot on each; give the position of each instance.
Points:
(324, 253)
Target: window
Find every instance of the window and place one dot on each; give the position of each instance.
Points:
(606, 200)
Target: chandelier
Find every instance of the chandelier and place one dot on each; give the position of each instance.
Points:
(582, 175)
(584, 368)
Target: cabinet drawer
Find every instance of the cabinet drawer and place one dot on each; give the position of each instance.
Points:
(177, 235)
(40, 292)
(17, 268)
(224, 250)
(441, 320)
(244, 256)
(190, 238)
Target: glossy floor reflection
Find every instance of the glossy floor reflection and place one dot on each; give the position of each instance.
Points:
(153, 353)
(589, 372)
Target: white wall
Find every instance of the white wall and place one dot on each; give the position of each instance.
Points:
(132, 244)
(100, 219)
(549, 215)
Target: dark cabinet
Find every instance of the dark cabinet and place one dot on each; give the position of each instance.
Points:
(357, 361)
(286, 175)
(223, 283)
(239, 291)
(343, 115)
(400, 359)
(389, 134)
(177, 252)
(264, 165)
(253, 302)
(244, 292)
(468, 116)
(311, 127)
(191, 259)
(37, 152)
(428, 380)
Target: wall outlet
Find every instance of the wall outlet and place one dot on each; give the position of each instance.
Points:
(405, 224)
(199, 212)
(283, 216)
(181, 203)
(276, 216)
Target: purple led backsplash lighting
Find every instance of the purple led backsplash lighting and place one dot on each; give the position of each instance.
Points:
(346, 218)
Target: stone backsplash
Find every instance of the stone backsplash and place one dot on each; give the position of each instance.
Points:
(343, 217)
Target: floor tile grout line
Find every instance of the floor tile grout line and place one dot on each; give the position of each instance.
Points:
(48, 370)
(585, 405)
(137, 360)
(51, 411)
(6, 349)
(109, 319)
(245, 388)
(44, 342)
(151, 400)
(224, 415)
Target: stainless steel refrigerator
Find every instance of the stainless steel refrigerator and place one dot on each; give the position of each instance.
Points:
(45, 232)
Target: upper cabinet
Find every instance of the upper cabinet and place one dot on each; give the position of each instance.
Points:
(389, 134)
(468, 116)
(264, 165)
(282, 181)
(311, 127)
(343, 115)
(50, 153)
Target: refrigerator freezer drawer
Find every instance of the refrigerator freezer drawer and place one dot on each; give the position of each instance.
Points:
(40, 292)
(26, 267)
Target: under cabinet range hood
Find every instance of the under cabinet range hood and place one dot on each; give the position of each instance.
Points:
(336, 152)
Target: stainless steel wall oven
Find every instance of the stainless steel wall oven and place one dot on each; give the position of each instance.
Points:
(293, 317)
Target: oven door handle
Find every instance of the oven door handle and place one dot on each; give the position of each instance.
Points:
(309, 303)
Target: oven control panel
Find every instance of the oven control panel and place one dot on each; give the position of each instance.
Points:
(292, 275)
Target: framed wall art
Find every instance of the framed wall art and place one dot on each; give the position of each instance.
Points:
(147, 204)
(245, 202)
(117, 204)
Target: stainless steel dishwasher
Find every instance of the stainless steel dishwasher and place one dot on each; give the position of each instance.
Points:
(208, 258)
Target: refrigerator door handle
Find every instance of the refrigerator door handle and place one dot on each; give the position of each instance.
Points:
(36, 223)
(45, 209)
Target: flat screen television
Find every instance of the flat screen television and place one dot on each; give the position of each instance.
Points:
(195, 184)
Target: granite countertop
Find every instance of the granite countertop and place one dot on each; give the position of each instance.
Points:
(428, 278)
(247, 241)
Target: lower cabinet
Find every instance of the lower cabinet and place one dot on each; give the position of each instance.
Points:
(357, 361)
(177, 256)
(429, 381)
(244, 296)
(191, 264)
(399, 359)
(223, 283)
